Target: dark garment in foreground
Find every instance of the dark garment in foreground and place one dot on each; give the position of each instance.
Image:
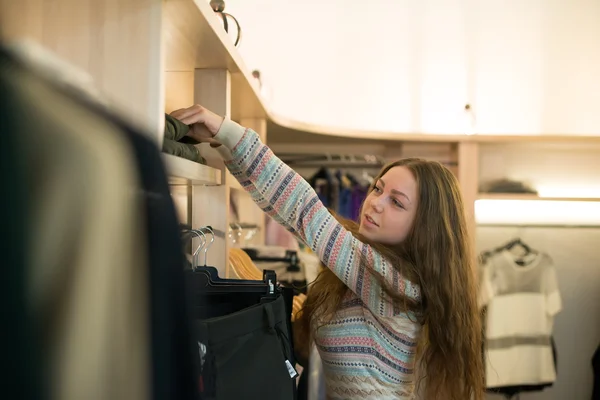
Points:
(171, 362)
(244, 354)
(21, 364)
(596, 368)
(172, 365)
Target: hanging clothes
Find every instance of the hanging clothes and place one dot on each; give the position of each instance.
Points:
(359, 194)
(327, 187)
(237, 343)
(171, 332)
(105, 259)
(596, 369)
(344, 207)
(233, 327)
(522, 301)
(21, 355)
(340, 192)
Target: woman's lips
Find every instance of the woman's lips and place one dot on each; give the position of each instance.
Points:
(369, 220)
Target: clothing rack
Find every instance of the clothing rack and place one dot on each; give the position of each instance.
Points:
(237, 228)
(205, 229)
(291, 257)
(338, 160)
(244, 226)
(484, 255)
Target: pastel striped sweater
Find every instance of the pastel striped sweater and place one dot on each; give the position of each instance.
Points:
(368, 348)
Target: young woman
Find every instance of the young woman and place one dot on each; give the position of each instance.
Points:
(397, 302)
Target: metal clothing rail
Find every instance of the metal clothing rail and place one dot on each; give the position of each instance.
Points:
(339, 160)
(332, 160)
(204, 229)
(219, 233)
(243, 225)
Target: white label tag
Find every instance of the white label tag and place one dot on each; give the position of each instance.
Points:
(201, 353)
(291, 369)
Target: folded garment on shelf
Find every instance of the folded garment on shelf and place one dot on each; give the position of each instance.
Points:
(183, 150)
(177, 130)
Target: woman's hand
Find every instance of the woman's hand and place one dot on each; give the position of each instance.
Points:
(203, 123)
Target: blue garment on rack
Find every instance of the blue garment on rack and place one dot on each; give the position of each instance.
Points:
(344, 206)
(345, 203)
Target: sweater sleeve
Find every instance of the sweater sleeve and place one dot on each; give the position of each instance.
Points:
(286, 196)
(248, 186)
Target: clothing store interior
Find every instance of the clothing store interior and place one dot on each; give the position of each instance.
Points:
(150, 255)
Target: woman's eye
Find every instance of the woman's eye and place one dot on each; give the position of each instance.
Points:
(398, 204)
(376, 189)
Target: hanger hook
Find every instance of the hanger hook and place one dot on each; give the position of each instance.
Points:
(200, 246)
(230, 234)
(235, 235)
(250, 234)
(212, 240)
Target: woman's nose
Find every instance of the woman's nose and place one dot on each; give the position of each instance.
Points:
(377, 204)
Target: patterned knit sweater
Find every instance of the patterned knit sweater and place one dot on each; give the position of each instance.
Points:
(368, 348)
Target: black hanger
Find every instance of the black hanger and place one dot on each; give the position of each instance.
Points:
(206, 278)
(291, 257)
(511, 245)
(483, 257)
(207, 281)
(517, 242)
(322, 173)
(210, 296)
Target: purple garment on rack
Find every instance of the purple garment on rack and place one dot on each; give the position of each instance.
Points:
(359, 194)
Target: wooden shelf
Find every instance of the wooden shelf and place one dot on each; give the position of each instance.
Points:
(189, 173)
(195, 39)
(531, 197)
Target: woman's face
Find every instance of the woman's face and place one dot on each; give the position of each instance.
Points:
(389, 210)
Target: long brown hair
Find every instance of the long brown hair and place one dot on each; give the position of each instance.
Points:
(437, 255)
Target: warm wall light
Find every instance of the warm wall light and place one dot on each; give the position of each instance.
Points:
(537, 212)
(566, 191)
